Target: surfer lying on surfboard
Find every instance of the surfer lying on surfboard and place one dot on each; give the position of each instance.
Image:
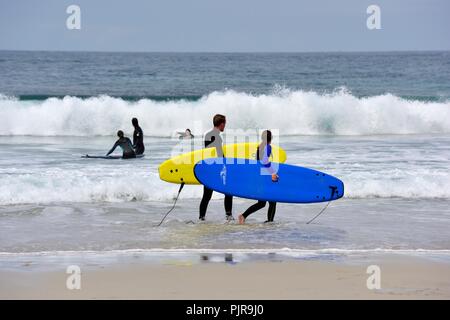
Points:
(263, 153)
(125, 144)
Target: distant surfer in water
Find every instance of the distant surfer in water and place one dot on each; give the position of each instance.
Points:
(138, 137)
(186, 134)
(263, 153)
(213, 139)
(125, 144)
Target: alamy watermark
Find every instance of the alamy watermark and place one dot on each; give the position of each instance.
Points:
(73, 281)
(374, 20)
(240, 153)
(73, 22)
(374, 280)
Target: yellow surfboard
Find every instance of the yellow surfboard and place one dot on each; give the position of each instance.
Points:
(180, 169)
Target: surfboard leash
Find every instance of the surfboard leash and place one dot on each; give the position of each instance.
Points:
(333, 190)
(173, 207)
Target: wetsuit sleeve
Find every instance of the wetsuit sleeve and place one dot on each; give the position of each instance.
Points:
(266, 159)
(141, 137)
(113, 148)
(218, 143)
(266, 155)
(219, 147)
(219, 151)
(138, 138)
(129, 143)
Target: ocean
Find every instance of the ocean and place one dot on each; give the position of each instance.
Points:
(378, 121)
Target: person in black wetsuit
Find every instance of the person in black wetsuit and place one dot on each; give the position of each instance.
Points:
(138, 137)
(213, 139)
(125, 144)
(263, 153)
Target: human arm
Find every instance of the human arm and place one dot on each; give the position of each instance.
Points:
(130, 145)
(113, 148)
(138, 138)
(266, 162)
(136, 135)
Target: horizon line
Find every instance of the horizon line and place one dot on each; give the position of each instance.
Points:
(228, 52)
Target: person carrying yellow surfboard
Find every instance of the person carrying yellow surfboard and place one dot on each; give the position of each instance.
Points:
(213, 139)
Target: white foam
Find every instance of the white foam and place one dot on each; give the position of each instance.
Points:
(56, 185)
(38, 189)
(71, 185)
(293, 112)
(417, 183)
(285, 251)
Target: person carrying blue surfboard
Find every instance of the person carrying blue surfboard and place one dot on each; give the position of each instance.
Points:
(213, 139)
(263, 153)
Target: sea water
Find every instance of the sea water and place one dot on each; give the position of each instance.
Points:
(380, 122)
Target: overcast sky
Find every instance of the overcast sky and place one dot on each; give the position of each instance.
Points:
(225, 25)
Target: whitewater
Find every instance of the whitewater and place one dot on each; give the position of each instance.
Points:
(382, 146)
(296, 112)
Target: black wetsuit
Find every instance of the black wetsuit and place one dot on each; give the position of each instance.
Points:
(138, 140)
(261, 204)
(127, 148)
(213, 139)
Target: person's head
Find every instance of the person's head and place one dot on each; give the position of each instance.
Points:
(134, 121)
(219, 122)
(266, 137)
(188, 132)
(120, 134)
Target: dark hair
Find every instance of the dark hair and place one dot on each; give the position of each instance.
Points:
(188, 130)
(266, 138)
(218, 120)
(134, 121)
(120, 134)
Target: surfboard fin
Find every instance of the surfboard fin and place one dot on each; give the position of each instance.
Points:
(333, 190)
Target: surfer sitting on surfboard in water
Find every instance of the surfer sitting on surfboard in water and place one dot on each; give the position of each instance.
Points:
(263, 153)
(125, 144)
(138, 137)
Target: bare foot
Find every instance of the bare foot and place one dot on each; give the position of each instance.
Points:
(241, 219)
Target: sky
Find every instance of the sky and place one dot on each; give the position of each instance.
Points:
(225, 26)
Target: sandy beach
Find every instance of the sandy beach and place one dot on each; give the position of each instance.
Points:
(402, 277)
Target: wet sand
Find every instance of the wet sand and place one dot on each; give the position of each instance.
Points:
(402, 277)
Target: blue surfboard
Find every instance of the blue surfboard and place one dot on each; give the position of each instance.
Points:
(249, 179)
